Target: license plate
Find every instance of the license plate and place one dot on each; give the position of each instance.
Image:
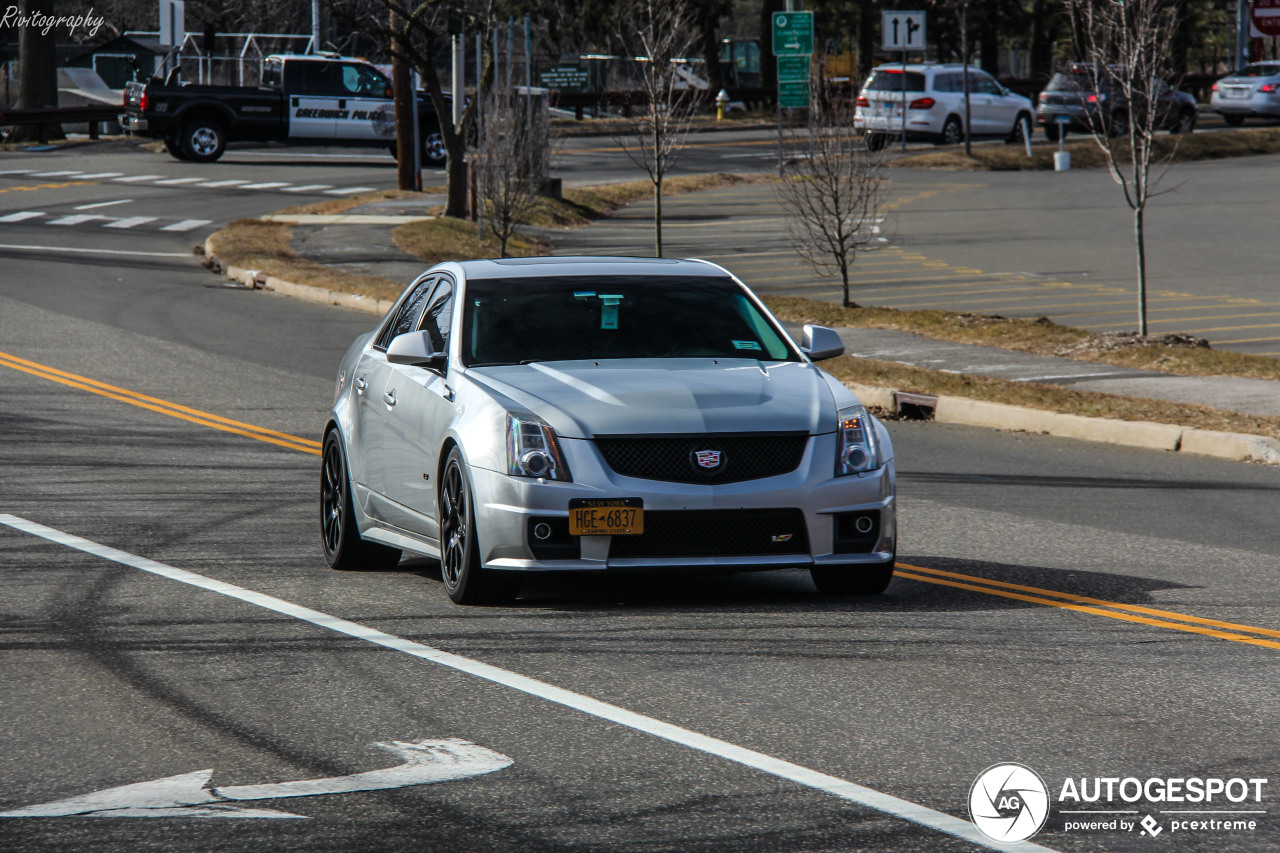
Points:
(1235, 93)
(606, 516)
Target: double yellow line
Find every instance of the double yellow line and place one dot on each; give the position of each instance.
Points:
(1018, 592)
(1096, 606)
(164, 407)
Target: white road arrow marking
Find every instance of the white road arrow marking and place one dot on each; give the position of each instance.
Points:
(189, 794)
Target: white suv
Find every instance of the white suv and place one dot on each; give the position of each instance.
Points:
(934, 97)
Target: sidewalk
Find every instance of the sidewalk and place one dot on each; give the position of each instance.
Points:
(357, 244)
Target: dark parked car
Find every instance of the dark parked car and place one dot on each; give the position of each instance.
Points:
(1083, 97)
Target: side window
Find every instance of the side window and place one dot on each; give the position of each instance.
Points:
(438, 317)
(406, 316)
(983, 85)
(361, 81)
(315, 78)
(944, 83)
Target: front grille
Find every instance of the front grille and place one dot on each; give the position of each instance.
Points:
(716, 533)
(743, 456)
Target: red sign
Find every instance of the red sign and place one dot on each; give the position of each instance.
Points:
(1265, 17)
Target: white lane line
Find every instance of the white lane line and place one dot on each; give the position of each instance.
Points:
(74, 219)
(101, 175)
(187, 225)
(78, 251)
(350, 191)
(130, 222)
(308, 188)
(15, 172)
(135, 178)
(175, 181)
(21, 215)
(55, 174)
(269, 185)
(230, 183)
(104, 204)
(797, 773)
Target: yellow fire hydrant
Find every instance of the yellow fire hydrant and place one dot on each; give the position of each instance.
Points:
(722, 102)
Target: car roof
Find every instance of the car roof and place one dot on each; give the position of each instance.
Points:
(923, 67)
(585, 266)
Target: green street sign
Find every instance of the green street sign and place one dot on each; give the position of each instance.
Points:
(792, 33)
(793, 69)
(795, 94)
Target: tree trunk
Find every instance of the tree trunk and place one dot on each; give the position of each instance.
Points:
(657, 218)
(768, 62)
(1139, 236)
(402, 91)
(37, 72)
(1041, 44)
(711, 50)
(844, 277)
(989, 44)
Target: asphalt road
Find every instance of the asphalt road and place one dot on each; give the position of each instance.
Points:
(119, 671)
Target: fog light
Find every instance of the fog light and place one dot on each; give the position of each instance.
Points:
(863, 524)
(542, 530)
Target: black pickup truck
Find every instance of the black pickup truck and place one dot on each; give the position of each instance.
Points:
(320, 99)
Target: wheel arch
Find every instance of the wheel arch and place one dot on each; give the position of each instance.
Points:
(206, 110)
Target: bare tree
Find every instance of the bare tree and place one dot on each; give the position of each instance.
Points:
(514, 159)
(832, 191)
(1126, 44)
(660, 31)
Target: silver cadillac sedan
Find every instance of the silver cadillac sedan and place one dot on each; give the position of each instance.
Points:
(600, 414)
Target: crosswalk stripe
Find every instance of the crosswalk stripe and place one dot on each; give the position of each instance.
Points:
(101, 175)
(270, 185)
(54, 174)
(21, 215)
(75, 219)
(187, 225)
(135, 178)
(175, 181)
(309, 188)
(130, 221)
(15, 172)
(350, 190)
(230, 183)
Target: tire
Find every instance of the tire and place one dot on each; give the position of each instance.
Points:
(1233, 121)
(1052, 131)
(1015, 135)
(465, 580)
(877, 141)
(203, 140)
(174, 147)
(853, 579)
(343, 548)
(1186, 122)
(952, 132)
(433, 150)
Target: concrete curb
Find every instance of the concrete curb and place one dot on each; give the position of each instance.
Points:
(1239, 447)
(258, 280)
(954, 410)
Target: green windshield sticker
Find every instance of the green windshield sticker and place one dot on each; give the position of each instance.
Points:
(752, 345)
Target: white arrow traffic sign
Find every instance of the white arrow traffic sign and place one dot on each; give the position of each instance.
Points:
(902, 30)
(189, 794)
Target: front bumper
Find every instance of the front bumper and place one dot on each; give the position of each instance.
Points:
(507, 509)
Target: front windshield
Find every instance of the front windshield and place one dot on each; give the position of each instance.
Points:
(519, 320)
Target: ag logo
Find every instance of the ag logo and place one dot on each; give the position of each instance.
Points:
(1008, 802)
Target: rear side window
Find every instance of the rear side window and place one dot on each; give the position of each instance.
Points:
(313, 78)
(891, 81)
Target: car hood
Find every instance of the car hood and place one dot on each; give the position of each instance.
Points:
(644, 396)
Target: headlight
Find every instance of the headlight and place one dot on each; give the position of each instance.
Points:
(532, 449)
(857, 449)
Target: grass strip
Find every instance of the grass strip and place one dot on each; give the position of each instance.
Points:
(1046, 397)
(1040, 336)
(1085, 153)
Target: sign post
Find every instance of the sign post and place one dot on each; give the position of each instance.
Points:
(793, 45)
(903, 31)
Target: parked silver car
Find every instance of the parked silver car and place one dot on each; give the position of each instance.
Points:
(1251, 92)
(511, 416)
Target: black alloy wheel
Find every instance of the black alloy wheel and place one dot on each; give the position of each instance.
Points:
(339, 533)
(952, 132)
(465, 580)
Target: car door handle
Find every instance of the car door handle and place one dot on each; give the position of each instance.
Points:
(390, 399)
(361, 385)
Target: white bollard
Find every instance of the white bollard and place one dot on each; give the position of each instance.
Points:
(1061, 161)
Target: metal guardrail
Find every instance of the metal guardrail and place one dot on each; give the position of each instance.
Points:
(51, 116)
